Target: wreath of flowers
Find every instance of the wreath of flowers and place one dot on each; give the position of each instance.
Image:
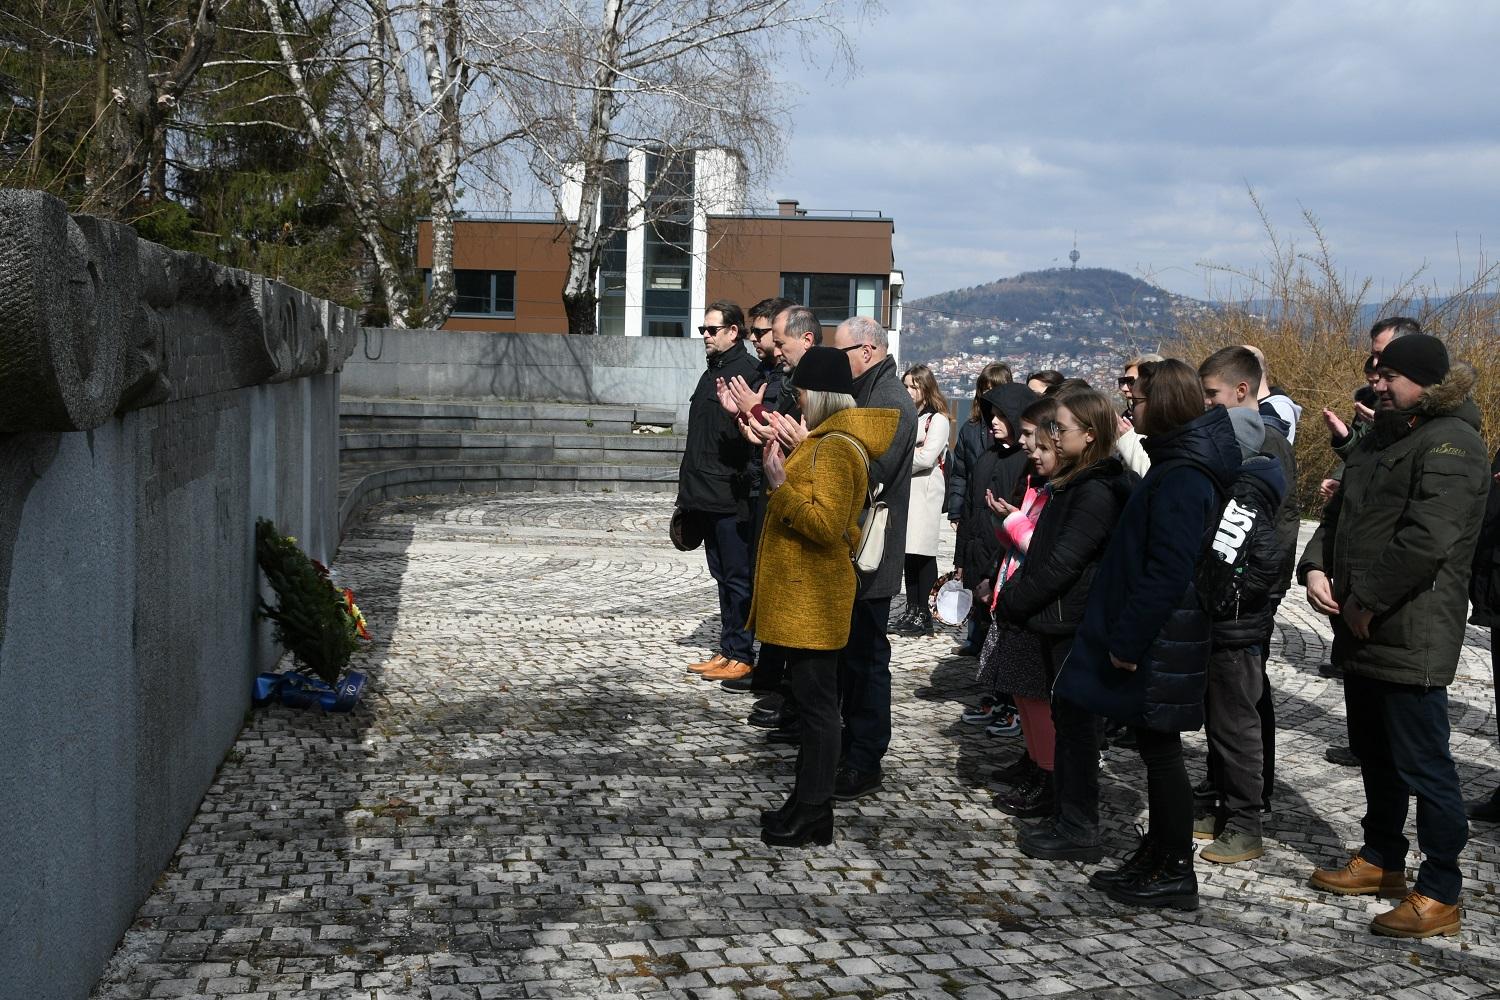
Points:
(319, 624)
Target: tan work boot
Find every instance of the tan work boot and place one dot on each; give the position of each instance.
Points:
(717, 660)
(1360, 878)
(1418, 916)
(729, 670)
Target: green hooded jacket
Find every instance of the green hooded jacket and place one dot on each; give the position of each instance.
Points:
(1400, 535)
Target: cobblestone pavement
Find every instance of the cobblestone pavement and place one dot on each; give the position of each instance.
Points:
(537, 800)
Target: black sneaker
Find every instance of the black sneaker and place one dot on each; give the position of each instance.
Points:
(850, 784)
(740, 685)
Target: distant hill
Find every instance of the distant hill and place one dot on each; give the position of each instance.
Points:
(1065, 311)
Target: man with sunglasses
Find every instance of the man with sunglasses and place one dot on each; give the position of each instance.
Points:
(714, 487)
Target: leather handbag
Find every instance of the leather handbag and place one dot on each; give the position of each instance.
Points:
(868, 554)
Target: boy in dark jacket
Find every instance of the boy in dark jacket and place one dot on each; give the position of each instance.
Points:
(1236, 583)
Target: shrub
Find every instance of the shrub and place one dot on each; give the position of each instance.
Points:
(1313, 325)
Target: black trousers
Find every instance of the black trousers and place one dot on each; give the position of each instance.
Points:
(1075, 773)
(1169, 793)
(865, 685)
(1399, 732)
(921, 577)
(813, 677)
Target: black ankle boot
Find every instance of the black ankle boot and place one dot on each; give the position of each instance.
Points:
(1028, 800)
(1018, 772)
(804, 824)
(918, 623)
(777, 817)
(1169, 881)
(901, 622)
(1135, 865)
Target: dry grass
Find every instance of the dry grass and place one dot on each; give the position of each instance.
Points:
(1312, 325)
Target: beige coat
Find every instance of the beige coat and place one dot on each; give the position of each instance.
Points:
(924, 517)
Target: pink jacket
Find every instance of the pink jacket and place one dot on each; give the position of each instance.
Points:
(1015, 535)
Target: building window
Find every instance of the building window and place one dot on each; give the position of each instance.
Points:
(482, 293)
(667, 291)
(833, 298)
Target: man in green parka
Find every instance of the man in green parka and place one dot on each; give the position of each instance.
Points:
(1390, 565)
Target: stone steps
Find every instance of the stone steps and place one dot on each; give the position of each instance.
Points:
(390, 448)
(395, 446)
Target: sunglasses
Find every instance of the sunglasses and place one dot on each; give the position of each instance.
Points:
(704, 331)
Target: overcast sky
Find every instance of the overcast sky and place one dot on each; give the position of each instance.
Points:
(990, 131)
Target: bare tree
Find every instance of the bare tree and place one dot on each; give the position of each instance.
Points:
(594, 78)
(412, 111)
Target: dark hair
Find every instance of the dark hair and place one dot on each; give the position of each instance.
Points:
(1401, 324)
(730, 313)
(933, 400)
(1071, 383)
(800, 321)
(1041, 411)
(993, 374)
(1233, 365)
(769, 308)
(1051, 379)
(1370, 366)
(1174, 396)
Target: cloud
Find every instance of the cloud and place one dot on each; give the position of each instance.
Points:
(990, 132)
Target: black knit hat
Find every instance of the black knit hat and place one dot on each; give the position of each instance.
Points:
(1420, 357)
(824, 369)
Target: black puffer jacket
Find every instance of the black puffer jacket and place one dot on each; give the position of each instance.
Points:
(999, 469)
(973, 440)
(714, 477)
(1048, 592)
(1143, 607)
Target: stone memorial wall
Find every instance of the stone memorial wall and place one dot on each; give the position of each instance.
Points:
(153, 404)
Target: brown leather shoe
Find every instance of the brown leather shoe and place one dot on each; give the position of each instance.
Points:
(1360, 878)
(729, 670)
(717, 660)
(1418, 916)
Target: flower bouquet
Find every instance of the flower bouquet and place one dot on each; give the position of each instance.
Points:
(319, 624)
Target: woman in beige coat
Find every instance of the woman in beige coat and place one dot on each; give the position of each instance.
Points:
(924, 515)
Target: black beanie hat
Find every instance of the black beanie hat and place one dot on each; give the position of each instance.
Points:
(1420, 357)
(824, 369)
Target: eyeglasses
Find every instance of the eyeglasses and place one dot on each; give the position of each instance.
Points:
(853, 347)
(706, 330)
(761, 331)
(1125, 382)
(1058, 430)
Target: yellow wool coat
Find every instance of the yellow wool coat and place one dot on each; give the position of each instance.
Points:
(804, 578)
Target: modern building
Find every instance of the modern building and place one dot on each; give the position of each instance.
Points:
(689, 240)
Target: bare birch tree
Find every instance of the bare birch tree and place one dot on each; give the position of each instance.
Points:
(594, 78)
(412, 110)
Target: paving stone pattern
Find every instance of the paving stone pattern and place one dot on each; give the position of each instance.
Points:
(537, 800)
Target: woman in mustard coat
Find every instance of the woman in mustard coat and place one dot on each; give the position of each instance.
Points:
(805, 580)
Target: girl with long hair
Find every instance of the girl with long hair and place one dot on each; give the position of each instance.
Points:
(924, 514)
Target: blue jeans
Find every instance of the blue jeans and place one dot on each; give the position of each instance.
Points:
(726, 541)
(865, 686)
(1399, 732)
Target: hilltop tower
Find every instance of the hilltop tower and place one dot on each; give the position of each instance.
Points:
(1073, 254)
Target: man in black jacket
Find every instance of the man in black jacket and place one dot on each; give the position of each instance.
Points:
(865, 668)
(713, 485)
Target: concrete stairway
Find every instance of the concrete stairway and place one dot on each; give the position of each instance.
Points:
(400, 447)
